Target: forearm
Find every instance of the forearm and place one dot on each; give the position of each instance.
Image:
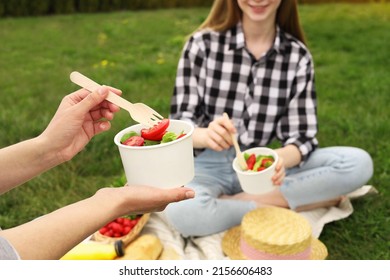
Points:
(198, 138)
(23, 161)
(53, 235)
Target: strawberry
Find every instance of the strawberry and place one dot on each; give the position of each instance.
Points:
(120, 226)
(133, 223)
(127, 229)
(109, 233)
(103, 230)
(126, 222)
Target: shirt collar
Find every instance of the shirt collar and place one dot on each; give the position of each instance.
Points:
(237, 39)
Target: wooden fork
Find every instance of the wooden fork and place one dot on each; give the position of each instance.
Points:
(239, 154)
(139, 112)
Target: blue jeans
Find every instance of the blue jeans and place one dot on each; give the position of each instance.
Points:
(327, 174)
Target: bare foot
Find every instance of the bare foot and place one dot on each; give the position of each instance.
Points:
(321, 204)
(273, 198)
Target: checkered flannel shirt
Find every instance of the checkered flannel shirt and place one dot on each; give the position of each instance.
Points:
(273, 97)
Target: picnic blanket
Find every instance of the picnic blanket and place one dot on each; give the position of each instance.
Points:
(209, 247)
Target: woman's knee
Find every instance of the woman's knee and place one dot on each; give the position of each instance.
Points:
(184, 216)
(356, 166)
(364, 169)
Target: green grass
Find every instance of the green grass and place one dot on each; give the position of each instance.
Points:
(138, 52)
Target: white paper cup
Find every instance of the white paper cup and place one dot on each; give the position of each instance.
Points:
(258, 182)
(166, 165)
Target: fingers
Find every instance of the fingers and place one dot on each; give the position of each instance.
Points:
(102, 126)
(217, 140)
(168, 196)
(179, 194)
(228, 124)
(93, 99)
(280, 172)
(175, 195)
(96, 100)
(188, 193)
(112, 107)
(96, 104)
(100, 113)
(219, 133)
(79, 94)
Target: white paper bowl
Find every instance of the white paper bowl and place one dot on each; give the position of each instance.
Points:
(166, 165)
(257, 182)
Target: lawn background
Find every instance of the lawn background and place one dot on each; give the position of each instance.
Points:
(138, 53)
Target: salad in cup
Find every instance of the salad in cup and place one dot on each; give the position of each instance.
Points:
(159, 156)
(155, 135)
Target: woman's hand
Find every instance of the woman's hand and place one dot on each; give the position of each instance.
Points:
(80, 116)
(289, 156)
(216, 136)
(280, 172)
(137, 199)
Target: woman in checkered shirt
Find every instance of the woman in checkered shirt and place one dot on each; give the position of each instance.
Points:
(249, 59)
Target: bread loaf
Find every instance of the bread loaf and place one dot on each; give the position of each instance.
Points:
(169, 253)
(145, 247)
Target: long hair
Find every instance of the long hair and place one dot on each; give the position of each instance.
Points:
(225, 14)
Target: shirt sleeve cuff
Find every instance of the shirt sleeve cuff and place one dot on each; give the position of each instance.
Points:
(7, 251)
(305, 148)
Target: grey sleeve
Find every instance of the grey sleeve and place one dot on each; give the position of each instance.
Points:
(7, 251)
